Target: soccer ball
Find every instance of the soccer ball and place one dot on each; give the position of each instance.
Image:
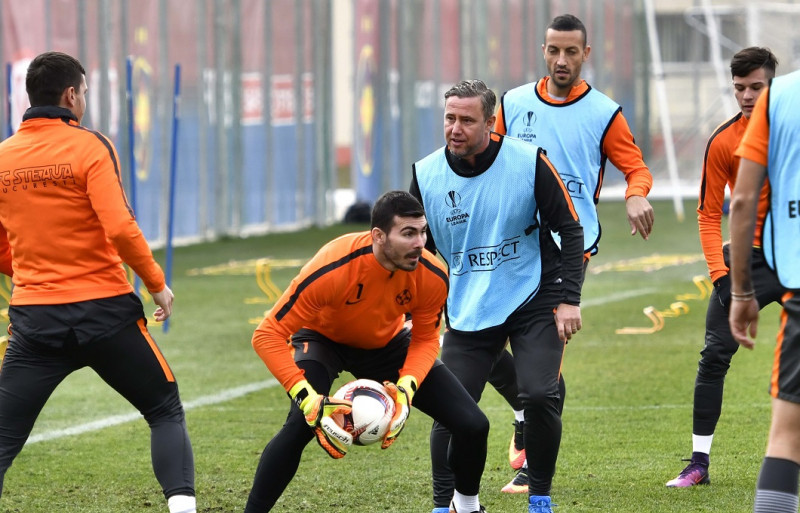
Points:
(372, 413)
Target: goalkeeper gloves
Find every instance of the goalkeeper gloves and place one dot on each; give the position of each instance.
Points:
(317, 410)
(401, 393)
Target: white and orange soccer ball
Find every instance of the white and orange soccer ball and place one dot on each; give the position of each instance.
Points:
(372, 413)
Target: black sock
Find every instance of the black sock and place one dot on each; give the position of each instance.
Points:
(700, 457)
(776, 489)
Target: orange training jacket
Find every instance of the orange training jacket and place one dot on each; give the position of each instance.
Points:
(65, 216)
(720, 167)
(618, 144)
(345, 294)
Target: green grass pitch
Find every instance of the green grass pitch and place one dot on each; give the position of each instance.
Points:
(627, 421)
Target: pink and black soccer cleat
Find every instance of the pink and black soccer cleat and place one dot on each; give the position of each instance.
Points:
(695, 473)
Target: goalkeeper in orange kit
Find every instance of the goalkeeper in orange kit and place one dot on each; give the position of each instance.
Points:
(345, 311)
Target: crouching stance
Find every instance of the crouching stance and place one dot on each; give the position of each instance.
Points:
(345, 312)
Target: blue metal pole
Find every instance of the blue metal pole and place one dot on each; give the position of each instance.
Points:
(9, 129)
(176, 99)
(131, 145)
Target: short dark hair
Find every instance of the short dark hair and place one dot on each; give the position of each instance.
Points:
(49, 74)
(567, 23)
(752, 58)
(391, 204)
(471, 89)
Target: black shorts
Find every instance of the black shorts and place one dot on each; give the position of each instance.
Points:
(80, 323)
(785, 379)
(382, 364)
(48, 342)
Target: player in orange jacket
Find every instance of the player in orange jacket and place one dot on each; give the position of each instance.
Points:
(345, 311)
(751, 70)
(66, 230)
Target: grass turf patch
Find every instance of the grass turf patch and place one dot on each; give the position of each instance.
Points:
(627, 420)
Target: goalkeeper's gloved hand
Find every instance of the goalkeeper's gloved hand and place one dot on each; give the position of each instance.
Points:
(317, 410)
(402, 393)
(723, 288)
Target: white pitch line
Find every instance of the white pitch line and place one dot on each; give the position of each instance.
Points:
(640, 407)
(235, 393)
(114, 420)
(611, 298)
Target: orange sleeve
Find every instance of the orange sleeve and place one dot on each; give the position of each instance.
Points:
(271, 344)
(755, 142)
(622, 151)
(270, 339)
(107, 196)
(426, 321)
(500, 123)
(717, 174)
(5, 253)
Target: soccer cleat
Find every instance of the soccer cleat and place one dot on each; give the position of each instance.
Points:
(695, 473)
(519, 484)
(516, 450)
(540, 504)
(441, 510)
